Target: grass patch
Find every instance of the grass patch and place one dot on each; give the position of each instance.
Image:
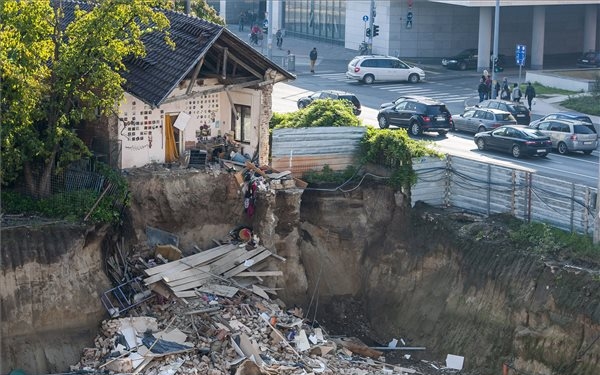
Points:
(589, 104)
(329, 176)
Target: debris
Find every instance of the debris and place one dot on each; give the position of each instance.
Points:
(455, 361)
(358, 347)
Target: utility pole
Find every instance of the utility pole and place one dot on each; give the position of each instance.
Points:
(270, 29)
(596, 234)
(495, 56)
(373, 12)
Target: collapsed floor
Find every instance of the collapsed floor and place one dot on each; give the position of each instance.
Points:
(361, 264)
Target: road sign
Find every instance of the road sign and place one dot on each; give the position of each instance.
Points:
(520, 54)
(365, 18)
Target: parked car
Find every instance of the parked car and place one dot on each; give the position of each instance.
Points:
(467, 59)
(476, 120)
(569, 135)
(418, 115)
(518, 110)
(590, 59)
(371, 68)
(331, 94)
(516, 140)
(563, 116)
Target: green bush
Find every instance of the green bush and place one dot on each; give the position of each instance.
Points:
(320, 113)
(73, 206)
(545, 239)
(328, 175)
(394, 149)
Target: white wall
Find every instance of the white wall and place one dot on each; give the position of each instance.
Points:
(141, 128)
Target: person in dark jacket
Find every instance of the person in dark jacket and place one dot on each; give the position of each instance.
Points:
(529, 94)
(482, 90)
(313, 59)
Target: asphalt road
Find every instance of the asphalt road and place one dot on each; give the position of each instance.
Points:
(450, 87)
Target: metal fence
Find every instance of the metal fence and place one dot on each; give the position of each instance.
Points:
(487, 188)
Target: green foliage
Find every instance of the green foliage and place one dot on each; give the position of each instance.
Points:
(278, 118)
(53, 78)
(395, 150)
(200, 9)
(328, 175)
(320, 113)
(545, 239)
(73, 205)
(589, 104)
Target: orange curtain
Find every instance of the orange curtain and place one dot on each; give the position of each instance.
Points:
(171, 152)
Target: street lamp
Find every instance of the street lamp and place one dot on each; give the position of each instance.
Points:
(495, 56)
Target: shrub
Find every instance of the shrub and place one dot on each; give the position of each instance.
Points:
(320, 113)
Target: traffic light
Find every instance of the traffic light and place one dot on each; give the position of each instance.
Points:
(368, 32)
(375, 30)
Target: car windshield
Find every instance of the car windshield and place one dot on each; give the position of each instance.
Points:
(518, 108)
(589, 55)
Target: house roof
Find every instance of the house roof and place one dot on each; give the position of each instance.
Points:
(153, 77)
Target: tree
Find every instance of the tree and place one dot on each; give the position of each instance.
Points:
(200, 9)
(321, 112)
(54, 76)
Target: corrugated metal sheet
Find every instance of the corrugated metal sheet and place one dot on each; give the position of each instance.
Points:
(303, 149)
(487, 189)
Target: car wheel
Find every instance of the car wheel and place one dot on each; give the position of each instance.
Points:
(462, 66)
(516, 151)
(383, 122)
(415, 128)
(368, 79)
(301, 105)
(588, 152)
(481, 129)
(562, 148)
(481, 144)
(413, 78)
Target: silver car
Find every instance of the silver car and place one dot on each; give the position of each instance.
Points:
(477, 120)
(568, 136)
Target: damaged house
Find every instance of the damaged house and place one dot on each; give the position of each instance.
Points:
(210, 84)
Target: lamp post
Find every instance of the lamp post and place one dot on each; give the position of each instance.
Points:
(495, 56)
(270, 29)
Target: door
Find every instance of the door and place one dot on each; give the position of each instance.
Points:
(400, 70)
(397, 113)
(172, 139)
(462, 122)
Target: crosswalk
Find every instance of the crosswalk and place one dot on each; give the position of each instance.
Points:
(435, 90)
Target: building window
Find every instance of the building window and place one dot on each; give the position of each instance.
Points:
(243, 123)
(316, 19)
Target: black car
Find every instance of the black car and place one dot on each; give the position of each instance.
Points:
(590, 59)
(398, 100)
(467, 59)
(516, 140)
(519, 111)
(418, 114)
(331, 94)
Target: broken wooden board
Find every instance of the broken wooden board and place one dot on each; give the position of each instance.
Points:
(248, 263)
(195, 260)
(358, 347)
(169, 252)
(259, 273)
(260, 292)
(219, 290)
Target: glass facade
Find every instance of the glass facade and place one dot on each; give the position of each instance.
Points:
(316, 19)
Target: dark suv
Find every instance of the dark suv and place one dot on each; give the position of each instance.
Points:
(518, 110)
(590, 59)
(331, 94)
(467, 59)
(418, 115)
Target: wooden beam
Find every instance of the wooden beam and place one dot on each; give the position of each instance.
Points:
(211, 90)
(195, 75)
(224, 73)
(246, 66)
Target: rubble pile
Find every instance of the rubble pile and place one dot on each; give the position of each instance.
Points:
(205, 314)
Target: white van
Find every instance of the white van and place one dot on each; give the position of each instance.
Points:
(371, 68)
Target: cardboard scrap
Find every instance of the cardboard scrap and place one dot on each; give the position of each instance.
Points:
(455, 361)
(169, 252)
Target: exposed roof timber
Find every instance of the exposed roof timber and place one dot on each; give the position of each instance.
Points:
(195, 75)
(492, 3)
(224, 73)
(237, 60)
(212, 89)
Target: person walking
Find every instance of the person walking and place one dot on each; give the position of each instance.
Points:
(505, 94)
(488, 84)
(516, 93)
(279, 37)
(482, 90)
(241, 22)
(313, 59)
(529, 94)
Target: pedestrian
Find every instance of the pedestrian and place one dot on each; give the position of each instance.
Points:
(241, 22)
(488, 84)
(516, 93)
(529, 94)
(482, 90)
(505, 94)
(313, 59)
(279, 37)
(497, 89)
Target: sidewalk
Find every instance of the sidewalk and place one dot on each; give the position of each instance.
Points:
(332, 55)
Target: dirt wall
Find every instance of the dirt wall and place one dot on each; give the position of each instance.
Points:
(51, 280)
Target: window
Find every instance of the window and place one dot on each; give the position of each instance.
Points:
(544, 126)
(469, 113)
(489, 116)
(243, 123)
(369, 63)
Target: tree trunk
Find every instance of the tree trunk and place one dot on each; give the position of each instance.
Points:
(40, 186)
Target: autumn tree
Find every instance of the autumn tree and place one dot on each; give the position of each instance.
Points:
(55, 75)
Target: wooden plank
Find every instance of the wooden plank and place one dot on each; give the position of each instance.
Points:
(260, 292)
(192, 272)
(187, 280)
(227, 261)
(186, 294)
(196, 259)
(193, 284)
(219, 290)
(234, 271)
(239, 259)
(260, 273)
